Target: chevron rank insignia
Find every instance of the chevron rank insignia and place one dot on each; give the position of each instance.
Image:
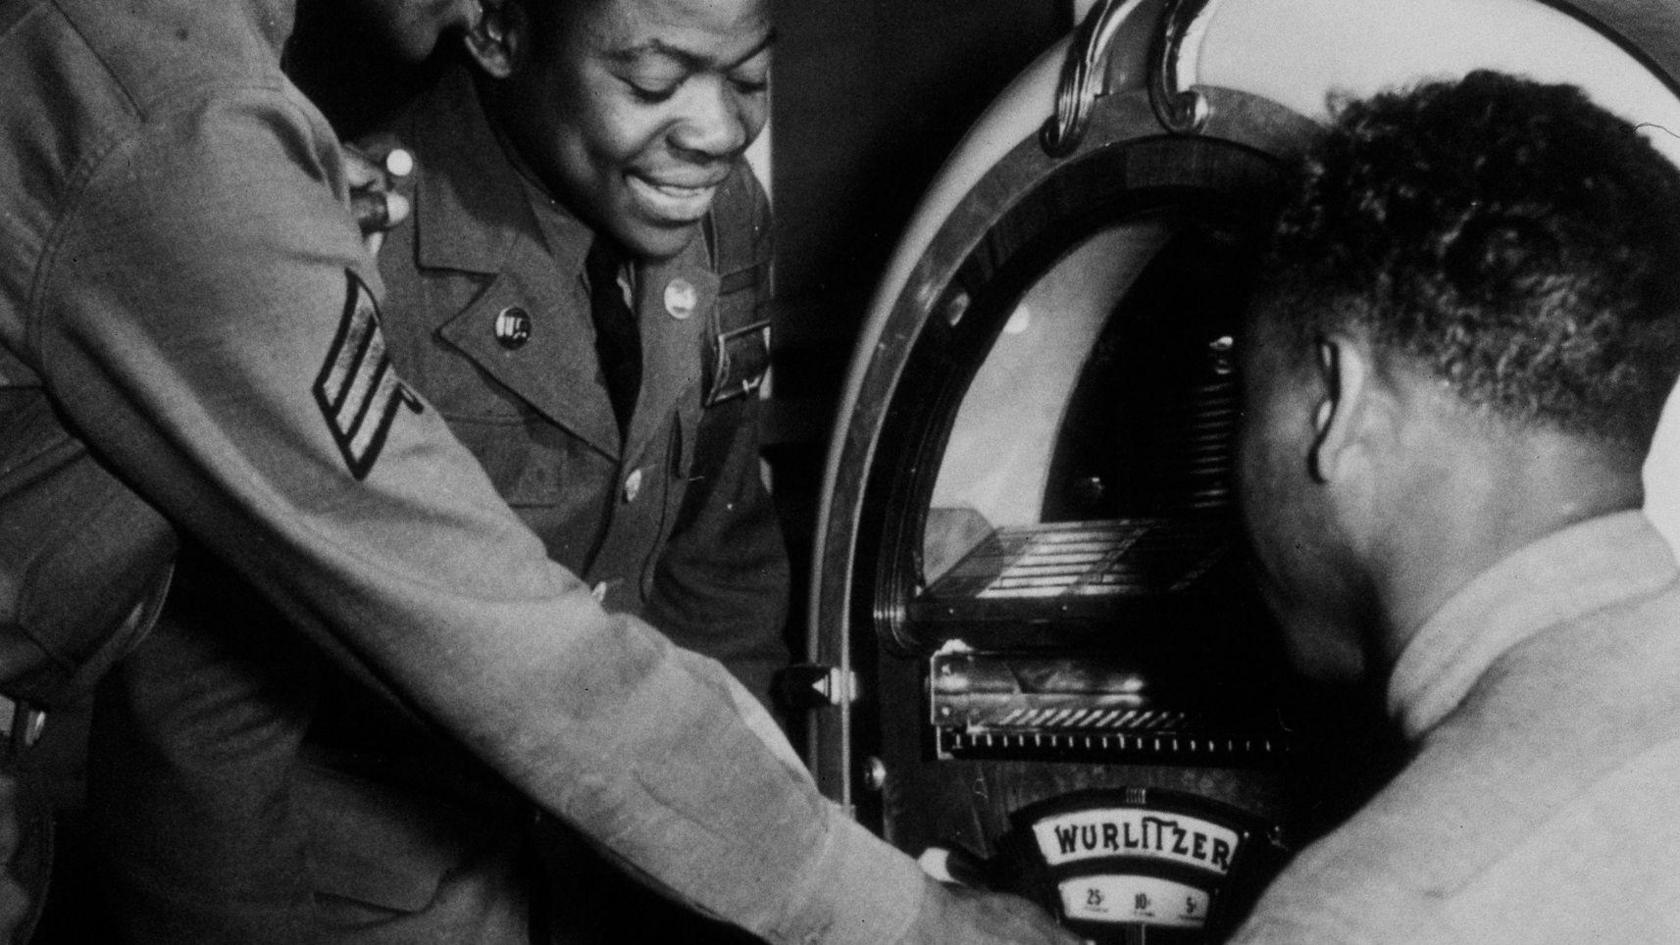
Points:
(358, 390)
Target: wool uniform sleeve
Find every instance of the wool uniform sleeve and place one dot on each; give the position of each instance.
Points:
(207, 321)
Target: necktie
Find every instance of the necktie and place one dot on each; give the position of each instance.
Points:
(618, 343)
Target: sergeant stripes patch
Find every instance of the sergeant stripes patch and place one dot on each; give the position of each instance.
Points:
(358, 390)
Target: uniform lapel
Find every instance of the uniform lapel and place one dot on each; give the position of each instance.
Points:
(555, 370)
(683, 286)
(473, 214)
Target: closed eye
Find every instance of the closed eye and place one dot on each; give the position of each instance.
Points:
(749, 86)
(652, 94)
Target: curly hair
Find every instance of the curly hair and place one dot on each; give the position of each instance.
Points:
(1512, 237)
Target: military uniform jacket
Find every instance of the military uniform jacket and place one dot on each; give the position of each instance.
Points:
(182, 285)
(488, 315)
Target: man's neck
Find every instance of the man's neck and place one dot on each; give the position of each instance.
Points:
(1485, 499)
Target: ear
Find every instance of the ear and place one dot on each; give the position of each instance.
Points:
(496, 38)
(1353, 410)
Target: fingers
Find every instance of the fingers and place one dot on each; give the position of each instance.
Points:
(376, 207)
(378, 211)
(372, 211)
(360, 169)
(953, 867)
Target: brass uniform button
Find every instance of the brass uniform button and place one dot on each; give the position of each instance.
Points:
(681, 298)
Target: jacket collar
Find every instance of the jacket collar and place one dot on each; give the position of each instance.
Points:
(1555, 580)
(469, 214)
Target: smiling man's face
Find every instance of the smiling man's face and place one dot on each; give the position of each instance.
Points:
(632, 112)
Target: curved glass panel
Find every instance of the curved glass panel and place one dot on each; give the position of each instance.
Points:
(997, 461)
(1090, 454)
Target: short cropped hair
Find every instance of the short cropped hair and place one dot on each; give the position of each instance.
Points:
(1510, 236)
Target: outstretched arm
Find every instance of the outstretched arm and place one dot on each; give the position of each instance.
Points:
(207, 320)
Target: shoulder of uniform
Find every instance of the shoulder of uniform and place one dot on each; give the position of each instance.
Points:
(738, 227)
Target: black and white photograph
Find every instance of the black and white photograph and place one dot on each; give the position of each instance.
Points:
(839, 472)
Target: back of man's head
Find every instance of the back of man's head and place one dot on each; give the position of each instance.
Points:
(1510, 238)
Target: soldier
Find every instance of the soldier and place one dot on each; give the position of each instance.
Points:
(1470, 323)
(582, 297)
(189, 318)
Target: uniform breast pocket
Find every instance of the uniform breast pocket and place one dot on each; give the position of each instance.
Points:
(558, 486)
(680, 500)
(680, 459)
(690, 467)
(524, 473)
(531, 461)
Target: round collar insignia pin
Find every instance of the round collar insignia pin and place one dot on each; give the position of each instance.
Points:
(681, 298)
(513, 327)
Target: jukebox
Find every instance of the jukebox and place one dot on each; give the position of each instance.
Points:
(1037, 660)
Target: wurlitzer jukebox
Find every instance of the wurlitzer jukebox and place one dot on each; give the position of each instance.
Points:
(1037, 659)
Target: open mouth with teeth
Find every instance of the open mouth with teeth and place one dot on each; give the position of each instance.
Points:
(673, 203)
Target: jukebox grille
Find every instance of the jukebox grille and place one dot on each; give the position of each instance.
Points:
(1209, 435)
(1103, 747)
(996, 705)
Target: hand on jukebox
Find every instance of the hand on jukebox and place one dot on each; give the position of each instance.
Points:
(991, 916)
